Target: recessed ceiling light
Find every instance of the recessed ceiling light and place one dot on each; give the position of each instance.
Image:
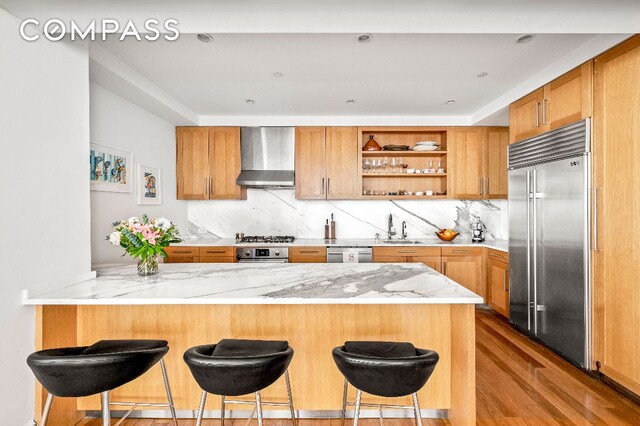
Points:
(482, 74)
(351, 101)
(525, 39)
(277, 74)
(365, 38)
(450, 102)
(205, 38)
(250, 101)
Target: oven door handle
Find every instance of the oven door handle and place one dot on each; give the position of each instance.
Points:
(263, 261)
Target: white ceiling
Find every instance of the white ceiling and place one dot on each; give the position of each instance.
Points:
(405, 75)
(350, 16)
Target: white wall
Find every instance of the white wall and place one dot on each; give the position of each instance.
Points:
(117, 122)
(44, 188)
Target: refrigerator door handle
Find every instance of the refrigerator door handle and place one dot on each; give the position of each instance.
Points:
(535, 252)
(528, 249)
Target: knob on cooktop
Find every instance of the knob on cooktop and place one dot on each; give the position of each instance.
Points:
(277, 253)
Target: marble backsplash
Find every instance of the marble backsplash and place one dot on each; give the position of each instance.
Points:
(277, 212)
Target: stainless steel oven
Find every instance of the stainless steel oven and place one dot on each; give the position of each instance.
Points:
(262, 254)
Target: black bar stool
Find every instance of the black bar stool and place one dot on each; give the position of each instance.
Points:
(98, 369)
(387, 369)
(240, 367)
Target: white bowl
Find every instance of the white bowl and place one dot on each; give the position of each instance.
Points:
(425, 148)
(419, 193)
(411, 171)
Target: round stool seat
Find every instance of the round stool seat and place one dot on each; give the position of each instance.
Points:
(238, 367)
(101, 367)
(386, 369)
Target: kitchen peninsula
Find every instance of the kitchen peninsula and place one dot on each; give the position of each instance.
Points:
(314, 306)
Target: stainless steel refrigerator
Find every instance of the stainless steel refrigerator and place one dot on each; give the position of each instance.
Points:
(549, 254)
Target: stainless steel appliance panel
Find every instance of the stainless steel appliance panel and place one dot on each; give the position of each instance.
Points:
(335, 254)
(520, 247)
(560, 276)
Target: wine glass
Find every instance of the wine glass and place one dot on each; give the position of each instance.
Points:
(384, 163)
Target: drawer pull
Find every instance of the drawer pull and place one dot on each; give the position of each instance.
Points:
(310, 251)
(181, 252)
(216, 251)
(406, 251)
(461, 251)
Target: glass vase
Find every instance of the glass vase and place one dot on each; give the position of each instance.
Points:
(148, 266)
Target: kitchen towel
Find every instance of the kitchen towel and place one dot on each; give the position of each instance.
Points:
(350, 256)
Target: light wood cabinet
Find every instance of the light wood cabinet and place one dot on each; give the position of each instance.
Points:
(217, 254)
(208, 163)
(498, 281)
(464, 266)
(192, 163)
(497, 178)
(524, 116)
(430, 256)
(616, 156)
(478, 162)
(182, 254)
(308, 254)
(564, 100)
(327, 163)
(467, 162)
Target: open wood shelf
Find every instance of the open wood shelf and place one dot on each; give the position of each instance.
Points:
(403, 153)
(403, 175)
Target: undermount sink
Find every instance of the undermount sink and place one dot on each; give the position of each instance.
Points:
(401, 242)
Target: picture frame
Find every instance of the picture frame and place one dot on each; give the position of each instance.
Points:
(149, 185)
(110, 168)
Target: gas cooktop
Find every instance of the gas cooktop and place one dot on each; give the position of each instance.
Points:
(264, 239)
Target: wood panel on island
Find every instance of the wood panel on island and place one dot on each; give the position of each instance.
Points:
(208, 163)
(565, 100)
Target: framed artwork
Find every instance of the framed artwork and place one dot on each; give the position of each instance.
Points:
(110, 168)
(148, 183)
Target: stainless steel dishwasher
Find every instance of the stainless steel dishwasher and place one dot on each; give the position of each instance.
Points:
(344, 254)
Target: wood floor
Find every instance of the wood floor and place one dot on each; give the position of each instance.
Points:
(518, 383)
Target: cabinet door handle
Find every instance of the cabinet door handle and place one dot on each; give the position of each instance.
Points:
(310, 251)
(488, 191)
(322, 186)
(595, 219)
(205, 190)
(481, 186)
(215, 251)
(544, 111)
(444, 268)
(461, 251)
(406, 251)
(210, 186)
(504, 280)
(328, 186)
(181, 252)
(537, 114)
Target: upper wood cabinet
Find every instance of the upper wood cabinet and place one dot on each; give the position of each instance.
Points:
(564, 100)
(478, 162)
(616, 196)
(208, 163)
(327, 163)
(192, 163)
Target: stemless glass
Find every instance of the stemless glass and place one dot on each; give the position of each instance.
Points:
(385, 162)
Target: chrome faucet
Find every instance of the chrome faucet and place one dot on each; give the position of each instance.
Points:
(391, 231)
(404, 230)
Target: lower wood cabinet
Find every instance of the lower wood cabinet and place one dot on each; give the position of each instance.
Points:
(498, 281)
(178, 254)
(308, 254)
(195, 254)
(430, 256)
(464, 266)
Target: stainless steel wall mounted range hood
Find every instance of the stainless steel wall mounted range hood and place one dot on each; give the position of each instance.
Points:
(267, 157)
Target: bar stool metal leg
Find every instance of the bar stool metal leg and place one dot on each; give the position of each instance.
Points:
(222, 408)
(106, 410)
(293, 411)
(416, 409)
(259, 408)
(172, 407)
(203, 400)
(46, 409)
(356, 413)
(344, 402)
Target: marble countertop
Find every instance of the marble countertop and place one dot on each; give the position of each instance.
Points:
(502, 245)
(273, 283)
